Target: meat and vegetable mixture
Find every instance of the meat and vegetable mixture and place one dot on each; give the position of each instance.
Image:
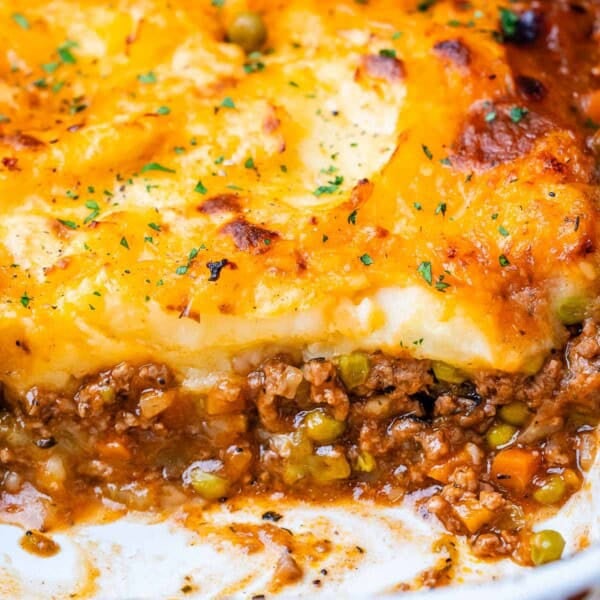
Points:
(488, 451)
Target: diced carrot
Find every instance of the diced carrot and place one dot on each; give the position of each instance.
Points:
(442, 471)
(571, 478)
(153, 402)
(514, 469)
(224, 399)
(113, 449)
(473, 514)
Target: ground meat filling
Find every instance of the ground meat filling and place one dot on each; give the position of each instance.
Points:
(485, 451)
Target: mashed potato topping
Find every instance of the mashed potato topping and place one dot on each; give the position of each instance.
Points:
(381, 175)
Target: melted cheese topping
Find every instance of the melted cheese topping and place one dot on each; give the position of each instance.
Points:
(373, 180)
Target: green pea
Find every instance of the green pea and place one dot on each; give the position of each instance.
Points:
(322, 428)
(293, 472)
(248, 31)
(445, 372)
(107, 394)
(515, 413)
(208, 485)
(533, 364)
(572, 310)
(365, 462)
(546, 546)
(354, 369)
(325, 469)
(500, 434)
(552, 491)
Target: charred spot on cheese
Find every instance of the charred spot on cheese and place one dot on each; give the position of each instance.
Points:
(556, 166)
(23, 345)
(221, 203)
(484, 143)
(585, 246)
(271, 123)
(383, 66)
(559, 60)
(381, 232)
(215, 268)
(301, 261)
(21, 141)
(360, 193)
(60, 265)
(530, 88)
(454, 51)
(248, 237)
(11, 163)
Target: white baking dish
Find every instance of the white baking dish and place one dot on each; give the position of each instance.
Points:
(371, 551)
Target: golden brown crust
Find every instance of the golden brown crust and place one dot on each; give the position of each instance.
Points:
(436, 164)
